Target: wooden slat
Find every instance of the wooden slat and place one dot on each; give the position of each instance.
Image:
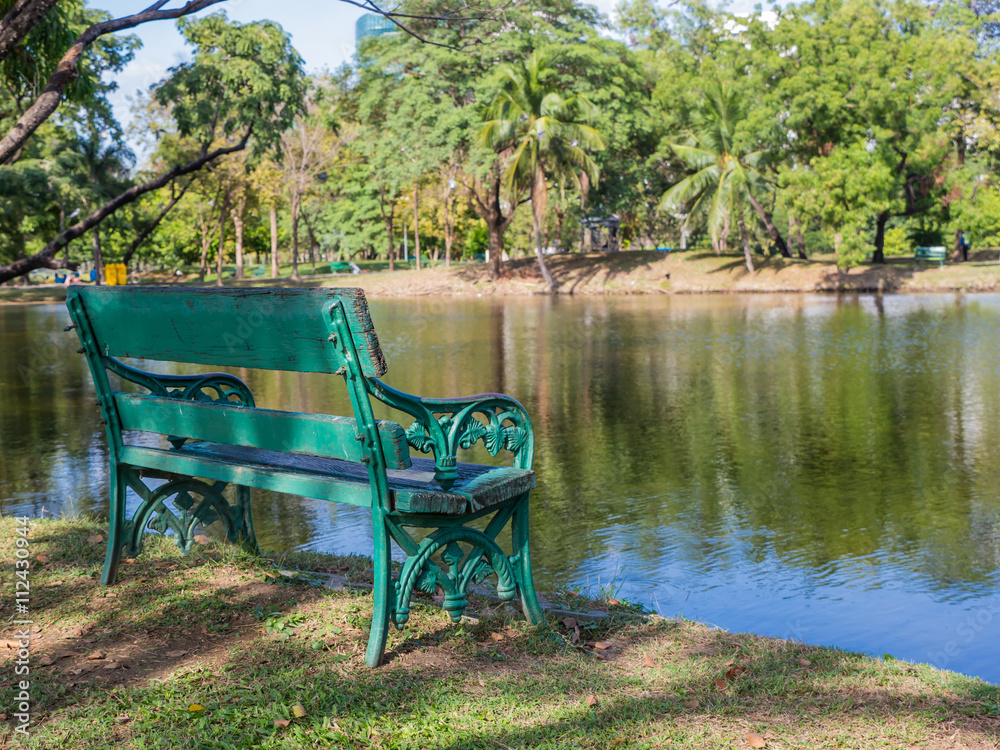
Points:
(271, 329)
(411, 490)
(290, 432)
(193, 465)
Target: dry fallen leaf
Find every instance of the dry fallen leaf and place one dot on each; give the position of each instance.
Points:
(569, 622)
(196, 708)
(496, 636)
(602, 645)
(649, 661)
(482, 682)
(114, 665)
(96, 655)
(804, 662)
(729, 663)
(46, 661)
(42, 557)
(721, 684)
(123, 718)
(591, 700)
(613, 602)
(95, 539)
(282, 723)
(201, 539)
(756, 740)
(691, 704)
(575, 638)
(299, 711)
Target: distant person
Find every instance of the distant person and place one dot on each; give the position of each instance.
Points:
(963, 244)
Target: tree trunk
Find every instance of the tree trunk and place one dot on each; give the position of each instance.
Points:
(449, 215)
(485, 203)
(746, 243)
(449, 230)
(205, 242)
(295, 237)
(98, 261)
(237, 214)
(772, 231)
(274, 241)
(793, 240)
(539, 197)
(392, 240)
(222, 241)
(878, 256)
(416, 223)
(802, 242)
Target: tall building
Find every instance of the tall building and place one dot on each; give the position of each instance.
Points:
(372, 24)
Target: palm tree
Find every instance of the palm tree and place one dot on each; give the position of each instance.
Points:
(726, 177)
(545, 134)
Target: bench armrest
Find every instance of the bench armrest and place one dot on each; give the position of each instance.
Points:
(223, 386)
(443, 425)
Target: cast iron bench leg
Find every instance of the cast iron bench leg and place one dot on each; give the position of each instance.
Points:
(116, 529)
(519, 535)
(382, 593)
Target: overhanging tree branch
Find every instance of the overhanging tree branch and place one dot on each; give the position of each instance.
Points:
(48, 101)
(44, 258)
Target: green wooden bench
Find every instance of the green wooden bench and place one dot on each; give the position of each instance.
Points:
(929, 254)
(215, 436)
(259, 270)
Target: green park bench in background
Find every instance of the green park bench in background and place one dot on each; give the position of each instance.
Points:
(259, 270)
(341, 268)
(929, 254)
(218, 437)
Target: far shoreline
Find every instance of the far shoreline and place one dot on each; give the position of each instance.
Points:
(617, 274)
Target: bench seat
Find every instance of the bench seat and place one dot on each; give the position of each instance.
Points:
(411, 490)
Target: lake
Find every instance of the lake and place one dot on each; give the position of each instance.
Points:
(812, 467)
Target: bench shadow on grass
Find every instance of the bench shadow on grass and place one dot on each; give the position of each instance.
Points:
(531, 691)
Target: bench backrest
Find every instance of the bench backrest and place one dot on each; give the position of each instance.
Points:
(273, 329)
(269, 329)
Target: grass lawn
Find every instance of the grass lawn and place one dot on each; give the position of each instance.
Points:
(217, 650)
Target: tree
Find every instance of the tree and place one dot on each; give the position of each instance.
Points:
(832, 74)
(726, 174)
(547, 134)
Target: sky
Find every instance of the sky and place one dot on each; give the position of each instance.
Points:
(321, 30)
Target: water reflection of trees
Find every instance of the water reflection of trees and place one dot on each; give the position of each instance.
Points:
(817, 430)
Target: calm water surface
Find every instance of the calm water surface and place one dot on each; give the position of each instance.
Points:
(818, 468)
